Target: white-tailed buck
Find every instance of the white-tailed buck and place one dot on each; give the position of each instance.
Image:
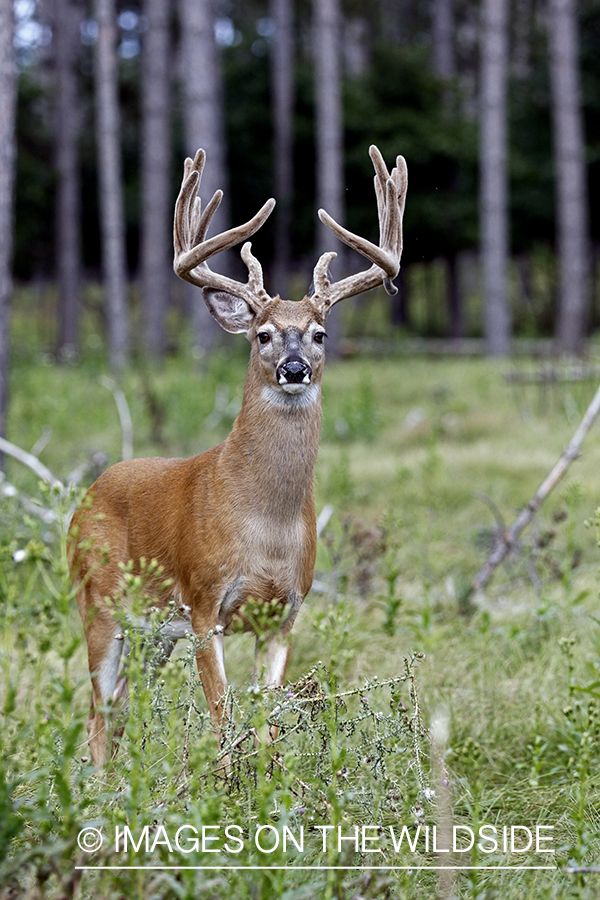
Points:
(237, 522)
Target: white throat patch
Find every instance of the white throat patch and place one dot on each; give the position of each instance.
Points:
(302, 396)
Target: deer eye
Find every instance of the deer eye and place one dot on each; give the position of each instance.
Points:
(264, 337)
(319, 337)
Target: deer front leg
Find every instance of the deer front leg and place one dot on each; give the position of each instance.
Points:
(270, 663)
(110, 691)
(210, 660)
(271, 658)
(272, 653)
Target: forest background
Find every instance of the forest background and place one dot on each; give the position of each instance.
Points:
(495, 106)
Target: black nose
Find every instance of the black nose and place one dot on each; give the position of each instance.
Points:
(294, 371)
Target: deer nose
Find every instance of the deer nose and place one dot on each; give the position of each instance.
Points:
(294, 371)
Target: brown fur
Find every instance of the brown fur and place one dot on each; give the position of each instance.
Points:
(239, 518)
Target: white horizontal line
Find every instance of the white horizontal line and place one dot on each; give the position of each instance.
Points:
(320, 868)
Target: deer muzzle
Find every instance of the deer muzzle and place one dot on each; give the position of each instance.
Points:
(293, 372)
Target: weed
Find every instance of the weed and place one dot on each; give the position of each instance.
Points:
(351, 748)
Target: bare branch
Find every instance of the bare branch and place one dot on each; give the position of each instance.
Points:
(31, 461)
(508, 536)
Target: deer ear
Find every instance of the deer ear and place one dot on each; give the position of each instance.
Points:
(231, 312)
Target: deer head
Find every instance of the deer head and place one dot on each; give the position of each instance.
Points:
(288, 336)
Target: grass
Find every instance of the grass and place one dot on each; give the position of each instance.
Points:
(420, 460)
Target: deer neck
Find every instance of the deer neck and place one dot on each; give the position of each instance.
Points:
(275, 440)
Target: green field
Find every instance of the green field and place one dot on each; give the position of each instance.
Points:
(421, 460)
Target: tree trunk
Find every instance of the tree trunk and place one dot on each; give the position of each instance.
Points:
(493, 176)
(156, 252)
(329, 136)
(523, 18)
(571, 190)
(455, 305)
(204, 127)
(444, 66)
(8, 91)
(593, 282)
(67, 19)
(112, 217)
(392, 21)
(282, 80)
(442, 39)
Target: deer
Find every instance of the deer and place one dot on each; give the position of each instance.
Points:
(238, 521)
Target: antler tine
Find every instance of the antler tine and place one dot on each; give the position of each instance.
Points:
(378, 163)
(320, 277)
(191, 224)
(192, 176)
(392, 216)
(400, 176)
(378, 255)
(192, 249)
(194, 165)
(200, 253)
(380, 195)
(255, 272)
(381, 177)
(206, 217)
(390, 191)
(182, 220)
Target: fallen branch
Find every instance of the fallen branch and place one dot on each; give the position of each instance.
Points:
(31, 461)
(507, 538)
